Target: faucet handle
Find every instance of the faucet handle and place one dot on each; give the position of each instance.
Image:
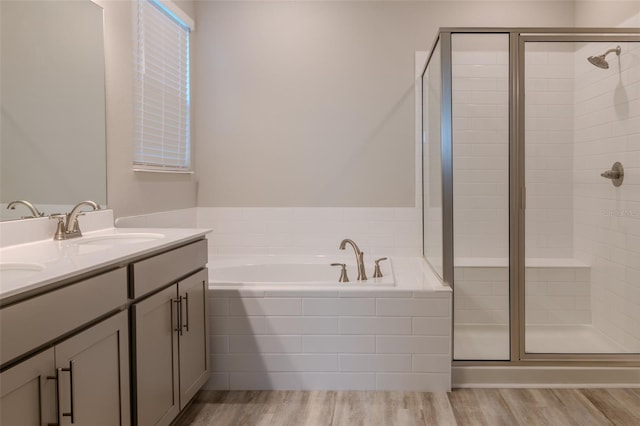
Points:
(343, 272)
(60, 229)
(377, 273)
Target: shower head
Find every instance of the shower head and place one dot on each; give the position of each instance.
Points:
(599, 60)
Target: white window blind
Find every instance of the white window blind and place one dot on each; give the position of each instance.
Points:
(161, 90)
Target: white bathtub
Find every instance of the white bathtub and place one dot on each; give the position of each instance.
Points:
(292, 271)
(285, 322)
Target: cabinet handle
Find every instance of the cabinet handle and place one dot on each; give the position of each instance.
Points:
(186, 323)
(179, 315)
(70, 371)
(56, 377)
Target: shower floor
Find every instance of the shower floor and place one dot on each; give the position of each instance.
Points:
(491, 342)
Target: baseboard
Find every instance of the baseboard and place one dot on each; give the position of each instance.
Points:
(544, 377)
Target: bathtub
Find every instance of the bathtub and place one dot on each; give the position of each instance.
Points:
(286, 323)
(306, 271)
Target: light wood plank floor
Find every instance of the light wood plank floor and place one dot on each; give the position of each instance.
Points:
(491, 407)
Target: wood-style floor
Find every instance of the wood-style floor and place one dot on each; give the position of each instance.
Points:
(562, 407)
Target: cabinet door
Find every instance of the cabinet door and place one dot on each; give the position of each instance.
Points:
(93, 375)
(194, 362)
(156, 358)
(27, 395)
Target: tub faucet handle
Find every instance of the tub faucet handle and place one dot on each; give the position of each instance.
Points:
(343, 272)
(377, 273)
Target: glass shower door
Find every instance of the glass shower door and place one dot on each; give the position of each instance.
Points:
(480, 113)
(582, 179)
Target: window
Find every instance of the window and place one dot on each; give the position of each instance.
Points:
(161, 88)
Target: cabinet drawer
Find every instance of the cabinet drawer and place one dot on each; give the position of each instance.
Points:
(166, 268)
(26, 325)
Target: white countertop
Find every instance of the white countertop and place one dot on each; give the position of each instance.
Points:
(61, 260)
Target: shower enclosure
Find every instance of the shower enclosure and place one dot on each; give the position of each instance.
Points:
(531, 191)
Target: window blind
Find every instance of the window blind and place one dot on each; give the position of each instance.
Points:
(161, 90)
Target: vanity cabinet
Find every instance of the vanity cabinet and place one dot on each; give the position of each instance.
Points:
(170, 332)
(79, 373)
(125, 344)
(28, 392)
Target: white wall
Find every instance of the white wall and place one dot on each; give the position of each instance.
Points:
(130, 193)
(311, 103)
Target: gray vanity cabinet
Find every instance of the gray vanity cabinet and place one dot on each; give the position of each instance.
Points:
(169, 333)
(93, 374)
(156, 359)
(79, 373)
(28, 392)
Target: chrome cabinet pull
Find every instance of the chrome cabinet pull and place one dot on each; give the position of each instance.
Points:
(186, 323)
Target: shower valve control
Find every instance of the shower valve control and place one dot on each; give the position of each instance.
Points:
(616, 174)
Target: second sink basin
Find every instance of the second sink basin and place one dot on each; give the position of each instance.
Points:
(117, 239)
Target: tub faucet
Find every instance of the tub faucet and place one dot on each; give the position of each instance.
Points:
(34, 211)
(71, 229)
(362, 274)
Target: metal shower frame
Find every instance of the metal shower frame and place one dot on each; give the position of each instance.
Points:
(517, 196)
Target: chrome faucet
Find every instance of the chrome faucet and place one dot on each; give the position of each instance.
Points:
(71, 229)
(34, 211)
(362, 275)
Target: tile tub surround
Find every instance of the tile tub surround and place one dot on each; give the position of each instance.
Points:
(378, 231)
(333, 339)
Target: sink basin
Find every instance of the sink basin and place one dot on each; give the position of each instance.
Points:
(117, 239)
(16, 271)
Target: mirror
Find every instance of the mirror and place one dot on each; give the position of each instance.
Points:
(52, 130)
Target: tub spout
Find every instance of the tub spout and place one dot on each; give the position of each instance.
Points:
(362, 274)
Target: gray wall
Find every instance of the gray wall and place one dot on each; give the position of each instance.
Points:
(311, 103)
(129, 192)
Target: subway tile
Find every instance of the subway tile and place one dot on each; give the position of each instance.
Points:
(374, 362)
(431, 364)
(375, 325)
(264, 381)
(413, 307)
(413, 344)
(259, 362)
(236, 325)
(217, 381)
(218, 306)
(301, 325)
(338, 381)
(265, 306)
(431, 326)
(374, 293)
(338, 344)
(219, 344)
(265, 344)
(419, 382)
(338, 306)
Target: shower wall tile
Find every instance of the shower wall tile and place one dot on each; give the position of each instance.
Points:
(480, 145)
(607, 219)
(554, 295)
(378, 231)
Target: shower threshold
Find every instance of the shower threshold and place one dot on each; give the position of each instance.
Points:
(491, 341)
